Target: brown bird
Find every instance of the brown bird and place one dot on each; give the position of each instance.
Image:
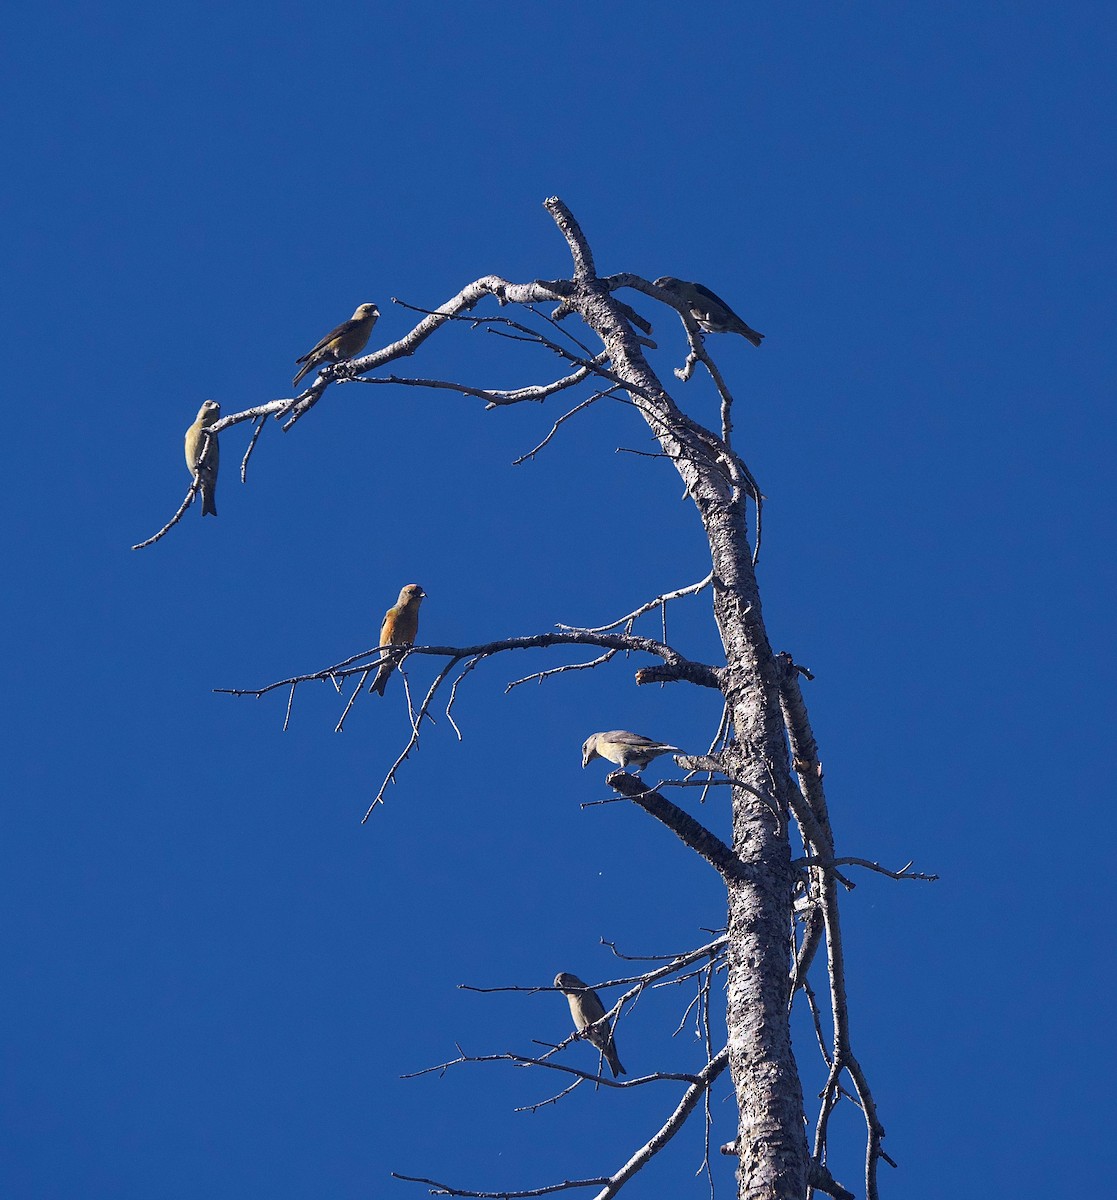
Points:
(399, 628)
(709, 310)
(206, 468)
(346, 341)
(588, 1013)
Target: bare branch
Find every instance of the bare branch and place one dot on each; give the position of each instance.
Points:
(531, 1108)
(682, 668)
(692, 590)
(454, 695)
(463, 302)
(554, 428)
(719, 943)
(525, 1060)
(711, 950)
(670, 1127)
(444, 1189)
(822, 1181)
(812, 939)
(413, 741)
(589, 361)
(689, 831)
(539, 676)
(828, 864)
(195, 484)
(352, 699)
(580, 251)
(494, 398)
(813, 812)
(251, 446)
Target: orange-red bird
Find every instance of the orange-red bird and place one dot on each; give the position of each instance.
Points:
(399, 628)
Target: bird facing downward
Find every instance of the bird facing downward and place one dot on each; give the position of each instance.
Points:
(622, 747)
(400, 627)
(206, 468)
(586, 1009)
(346, 341)
(709, 310)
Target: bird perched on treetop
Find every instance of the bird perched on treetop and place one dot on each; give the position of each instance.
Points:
(586, 1009)
(710, 311)
(346, 341)
(621, 747)
(205, 468)
(399, 628)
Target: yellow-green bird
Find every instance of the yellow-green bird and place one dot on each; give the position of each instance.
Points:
(622, 747)
(588, 1013)
(400, 627)
(709, 310)
(206, 467)
(346, 341)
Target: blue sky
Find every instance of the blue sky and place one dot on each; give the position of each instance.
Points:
(214, 976)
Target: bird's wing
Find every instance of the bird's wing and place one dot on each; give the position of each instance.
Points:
(592, 1008)
(340, 331)
(705, 291)
(624, 737)
(388, 627)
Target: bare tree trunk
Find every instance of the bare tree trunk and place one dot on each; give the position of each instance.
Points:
(771, 1144)
(764, 716)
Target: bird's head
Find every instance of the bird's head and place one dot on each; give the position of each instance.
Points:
(411, 594)
(565, 982)
(589, 750)
(667, 281)
(209, 412)
(366, 311)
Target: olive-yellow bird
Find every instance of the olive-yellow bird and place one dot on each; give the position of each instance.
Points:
(346, 341)
(709, 310)
(400, 627)
(588, 1013)
(622, 747)
(206, 467)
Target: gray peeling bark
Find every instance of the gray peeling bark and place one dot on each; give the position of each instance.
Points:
(771, 1145)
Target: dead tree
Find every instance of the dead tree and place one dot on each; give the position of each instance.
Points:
(781, 909)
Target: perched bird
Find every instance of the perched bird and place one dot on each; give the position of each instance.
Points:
(346, 341)
(586, 1009)
(711, 312)
(621, 747)
(399, 628)
(206, 467)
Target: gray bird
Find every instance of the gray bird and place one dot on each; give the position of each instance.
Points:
(709, 310)
(346, 341)
(621, 747)
(586, 1009)
(206, 468)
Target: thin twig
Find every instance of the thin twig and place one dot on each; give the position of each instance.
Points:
(539, 676)
(390, 778)
(352, 699)
(444, 1189)
(493, 397)
(827, 864)
(516, 462)
(691, 590)
(526, 1060)
(195, 484)
(251, 446)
